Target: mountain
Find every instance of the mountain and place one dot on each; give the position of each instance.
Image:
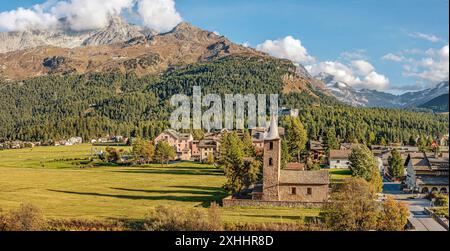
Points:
(439, 104)
(121, 47)
(141, 53)
(117, 31)
(372, 98)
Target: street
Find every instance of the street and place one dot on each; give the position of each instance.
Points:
(418, 218)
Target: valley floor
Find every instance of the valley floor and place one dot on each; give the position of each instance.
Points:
(56, 180)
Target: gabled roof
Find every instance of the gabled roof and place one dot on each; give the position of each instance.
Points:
(304, 177)
(340, 154)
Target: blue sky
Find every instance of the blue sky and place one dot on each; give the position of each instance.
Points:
(337, 32)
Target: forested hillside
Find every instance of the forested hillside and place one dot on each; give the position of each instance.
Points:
(92, 105)
(439, 104)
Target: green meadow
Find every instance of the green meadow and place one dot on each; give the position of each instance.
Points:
(60, 182)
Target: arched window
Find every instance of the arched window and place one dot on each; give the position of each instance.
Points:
(425, 190)
(444, 190)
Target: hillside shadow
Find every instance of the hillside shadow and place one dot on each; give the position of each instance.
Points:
(212, 193)
(177, 171)
(204, 201)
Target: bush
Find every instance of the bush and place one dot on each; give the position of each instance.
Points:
(26, 218)
(274, 227)
(85, 225)
(164, 218)
(441, 200)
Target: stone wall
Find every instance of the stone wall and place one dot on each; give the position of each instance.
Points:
(319, 193)
(230, 202)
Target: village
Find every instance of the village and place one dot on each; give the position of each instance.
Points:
(303, 182)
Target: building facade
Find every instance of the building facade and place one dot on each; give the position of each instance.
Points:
(427, 173)
(338, 159)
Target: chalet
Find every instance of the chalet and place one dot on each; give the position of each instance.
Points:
(427, 173)
(338, 159)
(317, 150)
(347, 146)
(181, 142)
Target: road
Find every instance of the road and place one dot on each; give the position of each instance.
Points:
(419, 219)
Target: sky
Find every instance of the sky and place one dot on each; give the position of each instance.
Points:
(394, 46)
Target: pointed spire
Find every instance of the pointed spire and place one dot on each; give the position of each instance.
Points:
(273, 129)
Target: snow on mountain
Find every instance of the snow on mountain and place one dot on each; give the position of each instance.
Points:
(117, 31)
(372, 98)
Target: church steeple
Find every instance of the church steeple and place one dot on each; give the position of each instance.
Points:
(273, 133)
(272, 162)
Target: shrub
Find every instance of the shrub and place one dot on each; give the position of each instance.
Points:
(26, 218)
(441, 200)
(164, 218)
(85, 225)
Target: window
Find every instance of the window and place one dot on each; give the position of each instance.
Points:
(270, 162)
(309, 191)
(271, 146)
(293, 190)
(338, 161)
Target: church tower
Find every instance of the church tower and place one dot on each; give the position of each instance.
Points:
(272, 163)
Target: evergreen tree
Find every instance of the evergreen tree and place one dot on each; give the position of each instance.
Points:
(363, 163)
(296, 136)
(331, 140)
(396, 169)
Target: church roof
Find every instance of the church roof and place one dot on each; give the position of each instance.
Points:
(304, 177)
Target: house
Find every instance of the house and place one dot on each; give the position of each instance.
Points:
(443, 140)
(75, 140)
(290, 184)
(347, 146)
(195, 151)
(316, 150)
(181, 142)
(339, 159)
(258, 134)
(283, 111)
(427, 173)
(208, 147)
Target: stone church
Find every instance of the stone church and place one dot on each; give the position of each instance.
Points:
(289, 184)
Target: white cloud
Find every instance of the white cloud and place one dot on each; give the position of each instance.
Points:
(159, 15)
(393, 57)
(286, 48)
(22, 19)
(359, 74)
(429, 37)
(376, 81)
(89, 14)
(432, 68)
(340, 71)
(363, 67)
(354, 55)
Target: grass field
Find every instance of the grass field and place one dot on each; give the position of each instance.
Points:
(51, 178)
(339, 175)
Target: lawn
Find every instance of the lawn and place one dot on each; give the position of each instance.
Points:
(339, 175)
(51, 178)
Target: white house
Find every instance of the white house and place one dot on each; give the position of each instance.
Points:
(338, 159)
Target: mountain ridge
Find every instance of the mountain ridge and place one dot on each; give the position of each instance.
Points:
(373, 98)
